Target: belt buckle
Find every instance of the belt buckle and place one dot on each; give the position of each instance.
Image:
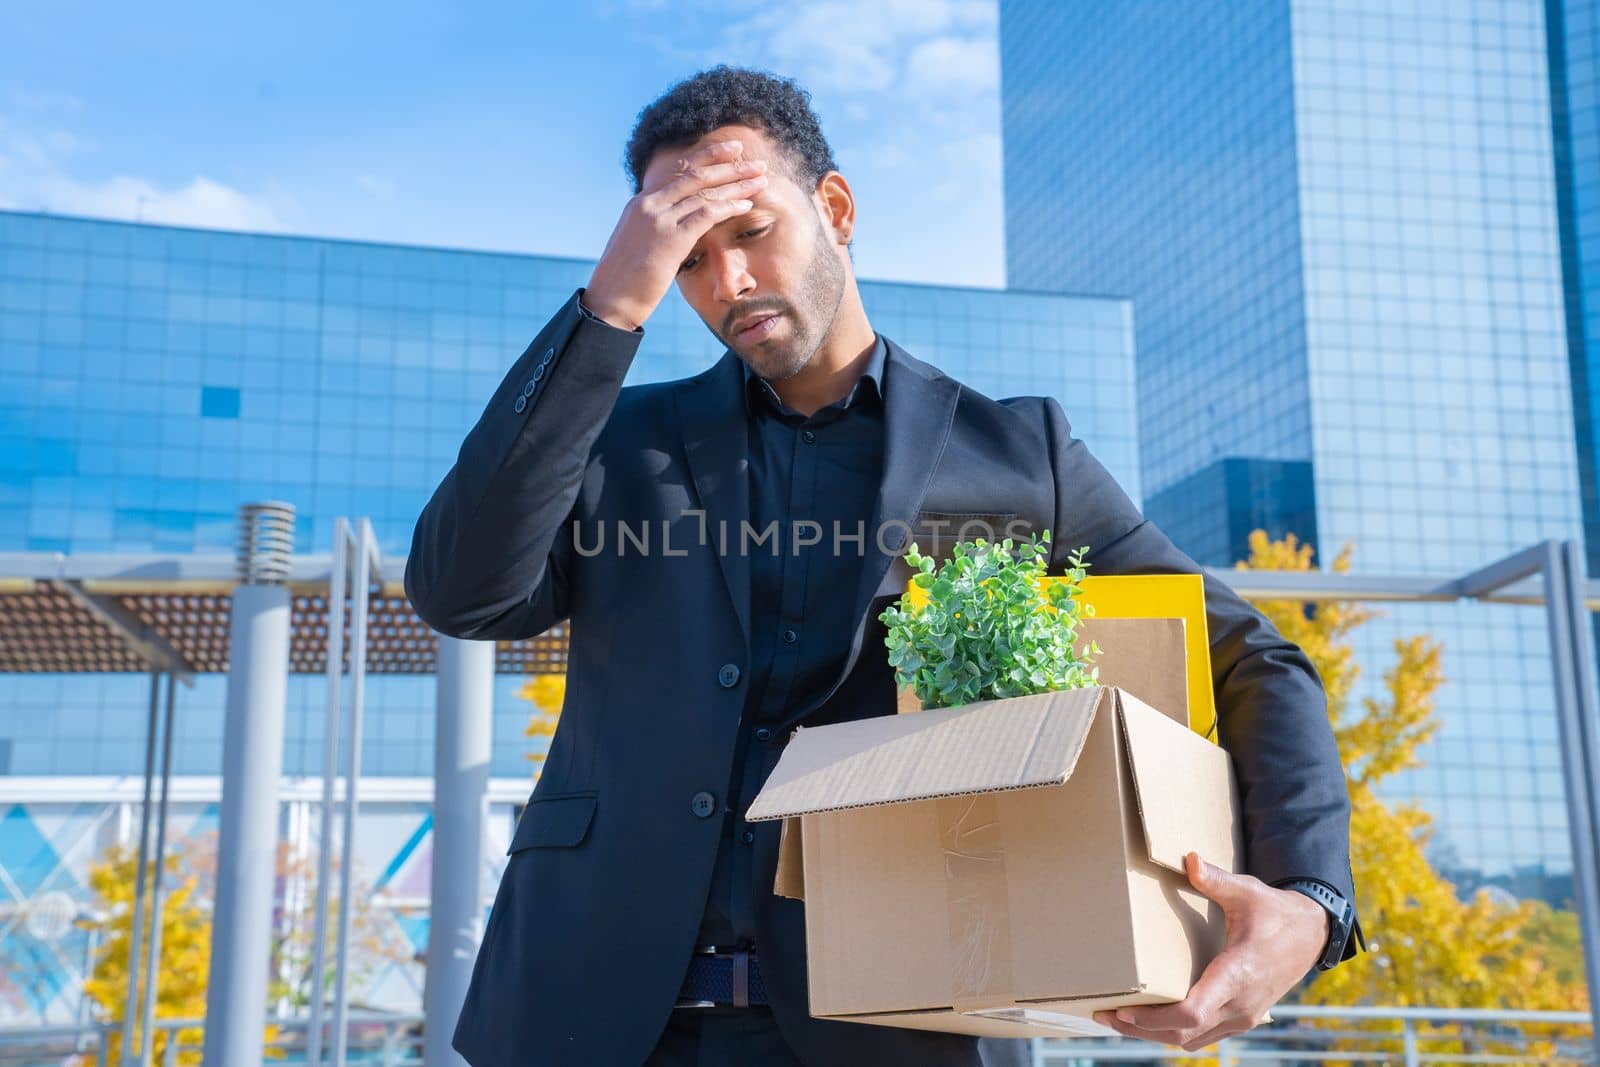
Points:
(699, 950)
(741, 977)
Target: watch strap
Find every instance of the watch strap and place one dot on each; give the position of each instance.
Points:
(1341, 945)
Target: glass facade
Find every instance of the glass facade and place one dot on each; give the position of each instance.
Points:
(1573, 30)
(1337, 225)
(156, 378)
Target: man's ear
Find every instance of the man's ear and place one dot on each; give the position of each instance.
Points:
(837, 204)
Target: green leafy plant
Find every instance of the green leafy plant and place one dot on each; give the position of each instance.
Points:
(988, 629)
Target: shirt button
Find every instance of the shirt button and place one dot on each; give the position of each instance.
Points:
(808, 437)
(728, 675)
(703, 804)
(790, 637)
(747, 837)
(763, 734)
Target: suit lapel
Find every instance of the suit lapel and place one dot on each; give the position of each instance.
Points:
(715, 441)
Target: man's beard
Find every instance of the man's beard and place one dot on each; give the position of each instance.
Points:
(821, 293)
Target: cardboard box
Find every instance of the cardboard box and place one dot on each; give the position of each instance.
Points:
(1008, 867)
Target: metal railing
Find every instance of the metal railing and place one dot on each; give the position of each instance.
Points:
(1412, 1037)
(378, 1039)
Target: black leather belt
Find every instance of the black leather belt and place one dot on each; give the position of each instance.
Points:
(720, 977)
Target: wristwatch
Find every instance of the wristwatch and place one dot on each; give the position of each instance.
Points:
(1342, 920)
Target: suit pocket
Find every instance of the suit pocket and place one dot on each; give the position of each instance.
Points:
(936, 532)
(559, 821)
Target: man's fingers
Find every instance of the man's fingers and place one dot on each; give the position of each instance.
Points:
(1215, 1034)
(1109, 1018)
(711, 212)
(1199, 1011)
(686, 183)
(1222, 886)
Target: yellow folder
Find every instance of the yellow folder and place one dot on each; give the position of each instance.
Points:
(1152, 596)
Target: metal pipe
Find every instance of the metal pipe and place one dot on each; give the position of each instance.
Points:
(366, 564)
(1566, 647)
(247, 854)
(464, 724)
(130, 1007)
(152, 961)
(330, 772)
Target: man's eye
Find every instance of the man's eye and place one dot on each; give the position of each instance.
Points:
(689, 264)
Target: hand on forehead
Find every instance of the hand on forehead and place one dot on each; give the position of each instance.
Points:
(754, 144)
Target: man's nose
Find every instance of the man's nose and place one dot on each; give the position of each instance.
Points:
(733, 279)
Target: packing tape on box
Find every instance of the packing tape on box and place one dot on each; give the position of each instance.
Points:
(976, 900)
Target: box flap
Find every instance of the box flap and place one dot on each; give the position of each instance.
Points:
(790, 880)
(981, 747)
(1187, 797)
(1145, 657)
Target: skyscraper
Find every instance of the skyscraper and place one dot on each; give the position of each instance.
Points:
(1573, 30)
(1337, 225)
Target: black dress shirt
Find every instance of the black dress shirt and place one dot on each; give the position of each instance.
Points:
(814, 481)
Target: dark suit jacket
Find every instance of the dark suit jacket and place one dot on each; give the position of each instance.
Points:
(609, 867)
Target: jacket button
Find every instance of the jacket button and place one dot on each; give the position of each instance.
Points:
(747, 837)
(763, 735)
(703, 804)
(790, 637)
(728, 675)
(521, 405)
(549, 354)
(529, 386)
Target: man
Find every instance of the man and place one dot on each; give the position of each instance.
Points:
(636, 920)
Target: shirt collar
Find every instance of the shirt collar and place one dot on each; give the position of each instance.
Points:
(754, 383)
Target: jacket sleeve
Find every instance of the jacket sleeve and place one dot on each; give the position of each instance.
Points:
(1272, 711)
(492, 555)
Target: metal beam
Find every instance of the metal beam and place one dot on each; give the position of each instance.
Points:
(141, 640)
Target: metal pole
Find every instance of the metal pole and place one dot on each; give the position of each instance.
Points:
(252, 763)
(366, 564)
(1571, 705)
(152, 960)
(130, 1007)
(465, 698)
(330, 772)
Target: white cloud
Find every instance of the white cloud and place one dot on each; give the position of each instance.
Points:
(374, 186)
(45, 170)
(839, 47)
(953, 64)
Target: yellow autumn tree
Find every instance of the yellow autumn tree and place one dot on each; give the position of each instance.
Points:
(185, 952)
(1427, 945)
(186, 940)
(546, 693)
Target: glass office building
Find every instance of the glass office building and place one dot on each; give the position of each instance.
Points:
(1573, 31)
(1337, 224)
(156, 378)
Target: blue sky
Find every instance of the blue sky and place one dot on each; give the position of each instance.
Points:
(493, 126)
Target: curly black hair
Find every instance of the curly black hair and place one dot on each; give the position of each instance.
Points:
(733, 96)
